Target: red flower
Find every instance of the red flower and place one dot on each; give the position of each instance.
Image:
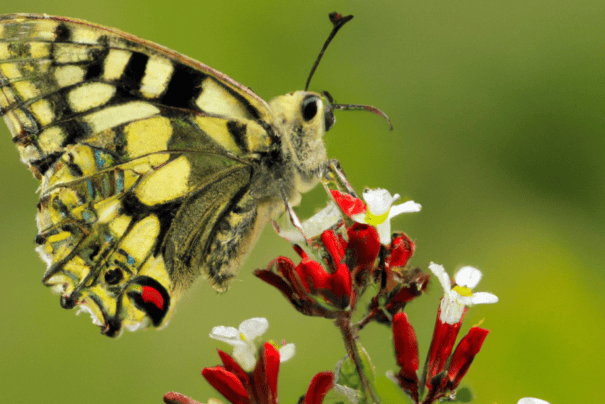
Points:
(349, 204)
(314, 288)
(239, 387)
(260, 385)
(350, 256)
(464, 354)
(444, 338)
(363, 247)
(439, 380)
(406, 351)
(320, 385)
(400, 250)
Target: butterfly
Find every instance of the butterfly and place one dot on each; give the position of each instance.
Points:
(154, 168)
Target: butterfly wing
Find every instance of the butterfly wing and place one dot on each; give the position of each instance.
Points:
(142, 153)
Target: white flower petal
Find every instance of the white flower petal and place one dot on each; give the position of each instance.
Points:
(468, 276)
(230, 335)
(484, 298)
(531, 400)
(359, 218)
(379, 200)
(444, 278)
(384, 232)
(244, 355)
(461, 300)
(451, 309)
(253, 327)
(286, 352)
(406, 207)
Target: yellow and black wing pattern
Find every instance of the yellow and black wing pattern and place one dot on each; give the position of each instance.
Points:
(141, 153)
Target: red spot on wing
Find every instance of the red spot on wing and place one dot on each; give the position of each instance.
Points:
(151, 295)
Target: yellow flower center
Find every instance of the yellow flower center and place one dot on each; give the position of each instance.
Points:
(375, 220)
(463, 290)
(242, 336)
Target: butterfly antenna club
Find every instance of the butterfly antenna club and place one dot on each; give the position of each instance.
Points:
(338, 21)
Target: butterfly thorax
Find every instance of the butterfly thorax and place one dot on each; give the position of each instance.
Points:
(290, 164)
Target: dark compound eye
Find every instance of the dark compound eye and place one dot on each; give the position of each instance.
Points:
(309, 107)
(113, 276)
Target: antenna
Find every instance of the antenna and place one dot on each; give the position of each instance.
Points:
(338, 21)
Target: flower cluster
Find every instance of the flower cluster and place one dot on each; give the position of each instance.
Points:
(346, 250)
(354, 250)
(346, 255)
(443, 371)
(249, 375)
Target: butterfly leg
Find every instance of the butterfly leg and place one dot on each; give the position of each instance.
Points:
(294, 219)
(332, 173)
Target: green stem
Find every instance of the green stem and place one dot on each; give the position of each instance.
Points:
(343, 322)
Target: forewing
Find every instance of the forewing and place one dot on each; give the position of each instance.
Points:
(126, 136)
(63, 80)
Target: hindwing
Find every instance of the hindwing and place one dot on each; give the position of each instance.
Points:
(143, 157)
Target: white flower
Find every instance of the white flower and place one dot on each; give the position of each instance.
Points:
(286, 352)
(531, 400)
(380, 211)
(460, 296)
(242, 339)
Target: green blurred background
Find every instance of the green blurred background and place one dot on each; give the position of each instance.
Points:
(498, 110)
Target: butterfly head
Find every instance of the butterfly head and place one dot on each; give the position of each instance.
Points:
(302, 118)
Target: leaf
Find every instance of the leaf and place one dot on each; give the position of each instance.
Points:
(348, 376)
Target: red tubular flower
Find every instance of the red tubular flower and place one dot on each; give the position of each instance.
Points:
(239, 387)
(400, 250)
(339, 286)
(265, 376)
(320, 385)
(312, 275)
(282, 274)
(349, 204)
(363, 246)
(444, 338)
(256, 387)
(406, 351)
(227, 384)
(232, 366)
(465, 352)
(312, 287)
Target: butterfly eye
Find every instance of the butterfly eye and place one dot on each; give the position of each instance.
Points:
(113, 276)
(309, 107)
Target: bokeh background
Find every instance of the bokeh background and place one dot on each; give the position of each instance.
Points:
(499, 115)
